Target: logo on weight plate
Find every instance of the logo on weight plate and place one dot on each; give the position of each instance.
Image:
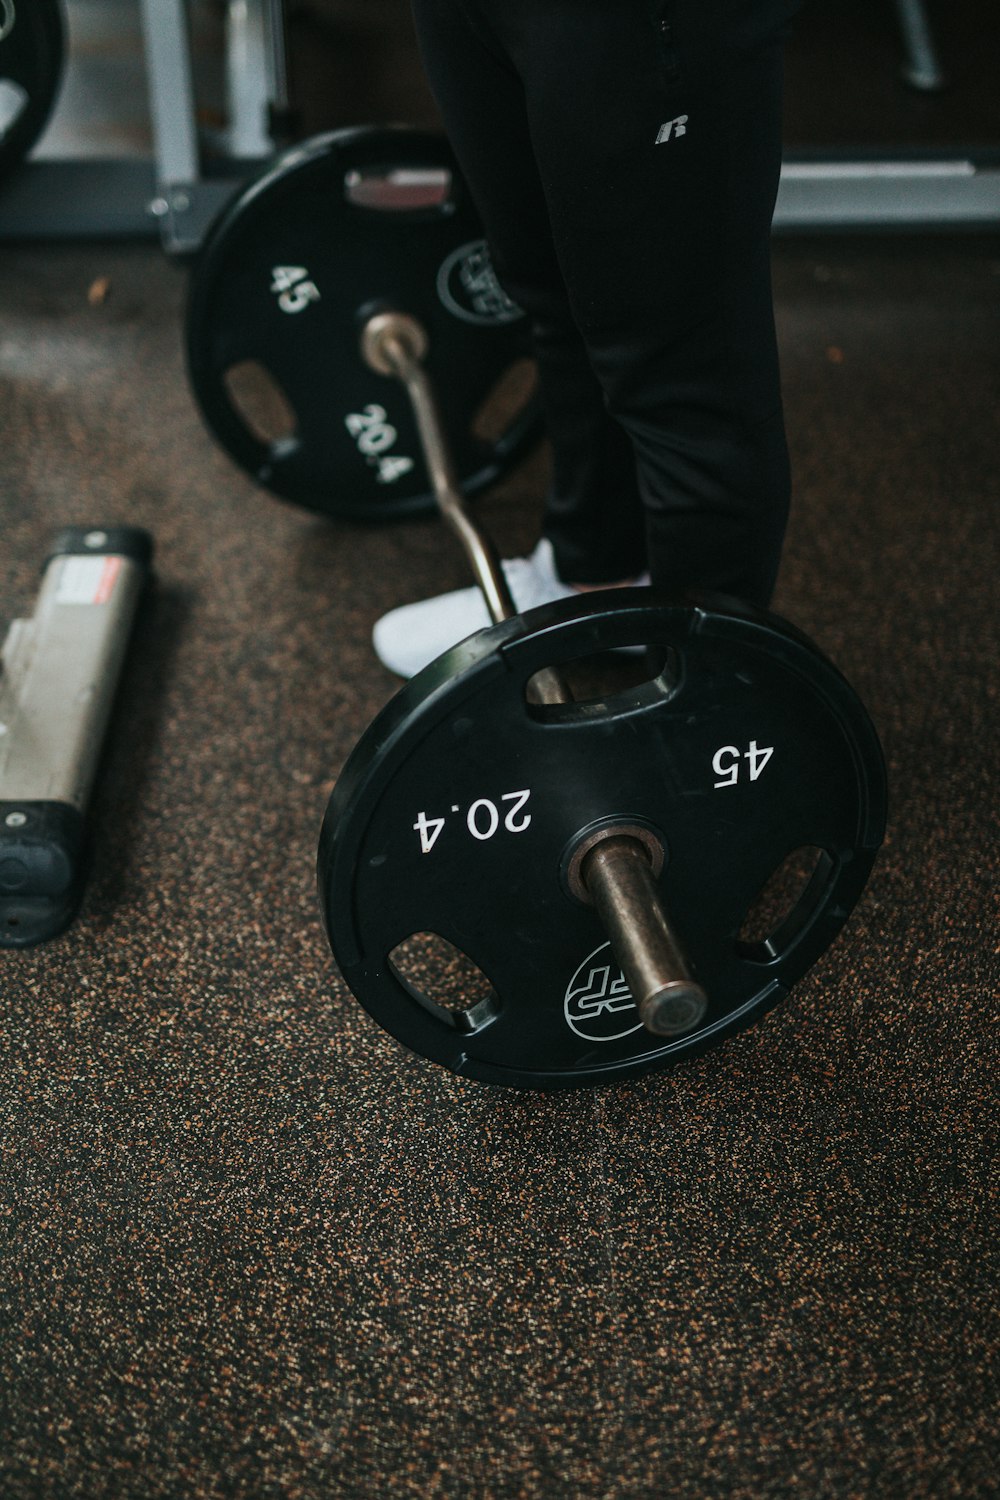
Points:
(599, 1005)
(468, 286)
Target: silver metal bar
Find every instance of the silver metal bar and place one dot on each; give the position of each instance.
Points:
(891, 193)
(171, 92)
(921, 67)
(620, 881)
(395, 344)
(278, 54)
(616, 873)
(249, 77)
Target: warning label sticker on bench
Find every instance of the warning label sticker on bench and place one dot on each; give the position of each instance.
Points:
(87, 580)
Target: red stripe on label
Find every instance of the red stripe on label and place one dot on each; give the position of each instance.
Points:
(109, 575)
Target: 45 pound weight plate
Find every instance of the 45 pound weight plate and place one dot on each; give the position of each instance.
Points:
(459, 813)
(31, 63)
(333, 229)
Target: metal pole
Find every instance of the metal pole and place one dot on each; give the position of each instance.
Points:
(619, 878)
(616, 873)
(395, 344)
(921, 67)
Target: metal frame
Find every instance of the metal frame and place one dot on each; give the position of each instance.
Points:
(178, 193)
(921, 66)
(949, 190)
(188, 198)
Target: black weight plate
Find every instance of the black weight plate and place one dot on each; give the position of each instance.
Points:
(408, 844)
(283, 284)
(31, 62)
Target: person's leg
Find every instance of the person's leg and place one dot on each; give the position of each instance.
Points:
(624, 155)
(593, 515)
(656, 127)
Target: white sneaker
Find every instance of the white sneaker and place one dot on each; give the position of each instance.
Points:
(406, 639)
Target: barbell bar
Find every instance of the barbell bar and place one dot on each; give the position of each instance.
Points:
(616, 873)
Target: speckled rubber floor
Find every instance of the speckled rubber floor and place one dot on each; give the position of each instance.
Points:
(248, 1245)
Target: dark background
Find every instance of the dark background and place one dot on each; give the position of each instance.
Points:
(248, 1246)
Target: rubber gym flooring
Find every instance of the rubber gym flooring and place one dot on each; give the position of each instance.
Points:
(253, 1248)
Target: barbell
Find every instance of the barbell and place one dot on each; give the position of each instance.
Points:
(595, 863)
(592, 839)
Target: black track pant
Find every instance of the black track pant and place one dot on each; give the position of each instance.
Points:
(624, 156)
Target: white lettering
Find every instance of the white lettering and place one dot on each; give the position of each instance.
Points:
(672, 130)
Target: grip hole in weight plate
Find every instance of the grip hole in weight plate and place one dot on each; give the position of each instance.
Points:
(444, 980)
(398, 189)
(260, 402)
(611, 683)
(784, 904)
(507, 398)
